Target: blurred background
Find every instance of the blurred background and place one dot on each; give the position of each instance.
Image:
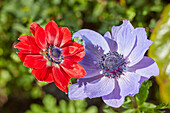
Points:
(19, 90)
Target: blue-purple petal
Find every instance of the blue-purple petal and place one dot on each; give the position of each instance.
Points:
(125, 39)
(141, 46)
(100, 87)
(142, 79)
(138, 86)
(147, 67)
(114, 99)
(76, 91)
(94, 41)
(112, 44)
(115, 29)
(90, 64)
(108, 35)
(127, 83)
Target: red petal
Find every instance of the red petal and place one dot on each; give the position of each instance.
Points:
(35, 61)
(33, 27)
(72, 48)
(22, 56)
(44, 74)
(27, 39)
(76, 58)
(40, 38)
(73, 51)
(66, 36)
(75, 44)
(52, 32)
(61, 79)
(27, 45)
(73, 69)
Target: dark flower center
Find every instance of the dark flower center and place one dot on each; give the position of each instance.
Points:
(112, 64)
(54, 54)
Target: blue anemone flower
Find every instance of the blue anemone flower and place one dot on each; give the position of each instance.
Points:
(115, 64)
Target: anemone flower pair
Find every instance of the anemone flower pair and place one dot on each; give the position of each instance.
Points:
(115, 64)
(51, 54)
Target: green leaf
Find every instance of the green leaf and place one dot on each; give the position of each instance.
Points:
(162, 106)
(36, 92)
(143, 92)
(37, 108)
(148, 105)
(130, 111)
(131, 13)
(15, 57)
(63, 106)
(160, 52)
(71, 107)
(42, 83)
(80, 105)
(80, 41)
(109, 111)
(49, 102)
(128, 103)
(76, 39)
(92, 109)
(50, 106)
(29, 111)
(5, 76)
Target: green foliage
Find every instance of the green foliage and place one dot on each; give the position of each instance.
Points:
(160, 52)
(50, 106)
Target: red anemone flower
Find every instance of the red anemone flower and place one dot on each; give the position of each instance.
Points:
(51, 54)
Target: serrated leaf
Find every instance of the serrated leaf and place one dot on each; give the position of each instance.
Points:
(128, 103)
(162, 106)
(157, 111)
(148, 105)
(143, 92)
(160, 52)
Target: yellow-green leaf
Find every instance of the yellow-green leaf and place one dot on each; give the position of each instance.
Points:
(160, 52)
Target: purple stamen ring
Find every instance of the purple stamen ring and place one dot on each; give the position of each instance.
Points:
(112, 64)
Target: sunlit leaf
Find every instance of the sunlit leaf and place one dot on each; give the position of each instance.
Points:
(160, 52)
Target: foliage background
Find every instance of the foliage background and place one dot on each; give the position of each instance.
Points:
(21, 92)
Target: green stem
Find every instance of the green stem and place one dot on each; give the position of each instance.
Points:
(135, 106)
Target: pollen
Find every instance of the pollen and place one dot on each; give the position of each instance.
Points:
(112, 64)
